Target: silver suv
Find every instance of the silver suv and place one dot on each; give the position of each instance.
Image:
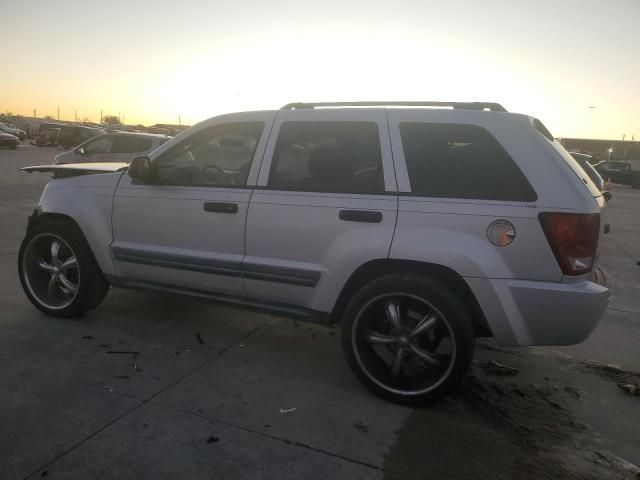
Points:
(415, 229)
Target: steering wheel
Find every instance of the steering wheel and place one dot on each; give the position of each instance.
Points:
(218, 172)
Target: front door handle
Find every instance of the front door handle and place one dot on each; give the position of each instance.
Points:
(367, 216)
(220, 207)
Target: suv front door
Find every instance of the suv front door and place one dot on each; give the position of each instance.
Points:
(325, 204)
(186, 229)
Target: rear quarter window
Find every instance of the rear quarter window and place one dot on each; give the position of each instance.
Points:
(461, 161)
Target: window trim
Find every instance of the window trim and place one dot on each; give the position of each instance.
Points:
(273, 163)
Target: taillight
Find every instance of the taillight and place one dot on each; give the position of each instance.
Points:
(573, 237)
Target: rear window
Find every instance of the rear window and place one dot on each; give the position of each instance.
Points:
(131, 144)
(461, 161)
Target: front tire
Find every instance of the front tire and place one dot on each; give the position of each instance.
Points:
(58, 272)
(408, 338)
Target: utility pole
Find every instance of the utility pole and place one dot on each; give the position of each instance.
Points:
(58, 113)
(100, 116)
(34, 113)
(179, 120)
(75, 115)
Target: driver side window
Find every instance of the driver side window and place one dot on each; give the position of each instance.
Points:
(99, 145)
(219, 156)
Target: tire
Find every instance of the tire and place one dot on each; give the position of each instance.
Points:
(55, 283)
(635, 183)
(407, 365)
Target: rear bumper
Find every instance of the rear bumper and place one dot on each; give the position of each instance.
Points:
(523, 312)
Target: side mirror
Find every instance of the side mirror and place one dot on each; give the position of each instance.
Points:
(140, 168)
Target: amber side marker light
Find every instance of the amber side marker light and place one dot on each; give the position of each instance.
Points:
(573, 238)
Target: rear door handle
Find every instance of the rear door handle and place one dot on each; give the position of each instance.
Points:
(367, 216)
(220, 207)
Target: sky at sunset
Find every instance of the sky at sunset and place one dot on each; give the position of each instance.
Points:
(154, 61)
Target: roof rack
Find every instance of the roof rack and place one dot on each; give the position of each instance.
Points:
(495, 107)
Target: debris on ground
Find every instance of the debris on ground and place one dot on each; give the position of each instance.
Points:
(44, 473)
(609, 459)
(199, 337)
(212, 439)
(287, 410)
(87, 337)
(135, 364)
(361, 426)
(611, 372)
(497, 368)
(572, 391)
(630, 388)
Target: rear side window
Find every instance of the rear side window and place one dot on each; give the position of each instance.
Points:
(340, 157)
(131, 144)
(461, 161)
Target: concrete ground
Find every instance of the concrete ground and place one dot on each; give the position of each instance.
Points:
(176, 407)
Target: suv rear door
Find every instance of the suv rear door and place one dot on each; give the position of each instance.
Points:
(325, 203)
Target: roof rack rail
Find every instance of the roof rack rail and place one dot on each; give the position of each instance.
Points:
(495, 107)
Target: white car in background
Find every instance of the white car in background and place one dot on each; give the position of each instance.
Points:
(112, 147)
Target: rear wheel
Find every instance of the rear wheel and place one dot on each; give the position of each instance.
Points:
(58, 271)
(408, 338)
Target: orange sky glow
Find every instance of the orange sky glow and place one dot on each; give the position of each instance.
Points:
(573, 64)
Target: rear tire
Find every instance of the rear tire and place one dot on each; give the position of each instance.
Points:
(408, 338)
(58, 271)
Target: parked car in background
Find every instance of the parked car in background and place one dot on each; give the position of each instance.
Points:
(619, 172)
(415, 229)
(47, 125)
(585, 162)
(74, 135)
(21, 134)
(47, 137)
(112, 147)
(9, 140)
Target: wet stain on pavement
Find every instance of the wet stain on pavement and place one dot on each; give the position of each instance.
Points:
(497, 428)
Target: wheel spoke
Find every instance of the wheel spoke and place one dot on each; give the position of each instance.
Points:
(67, 284)
(55, 249)
(392, 310)
(431, 359)
(378, 338)
(397, 362)
(52, 287)
(45, 266)
(428, 322)
(70, 262)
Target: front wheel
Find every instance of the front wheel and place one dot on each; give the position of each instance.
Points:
(408, 338)
(58, 271)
